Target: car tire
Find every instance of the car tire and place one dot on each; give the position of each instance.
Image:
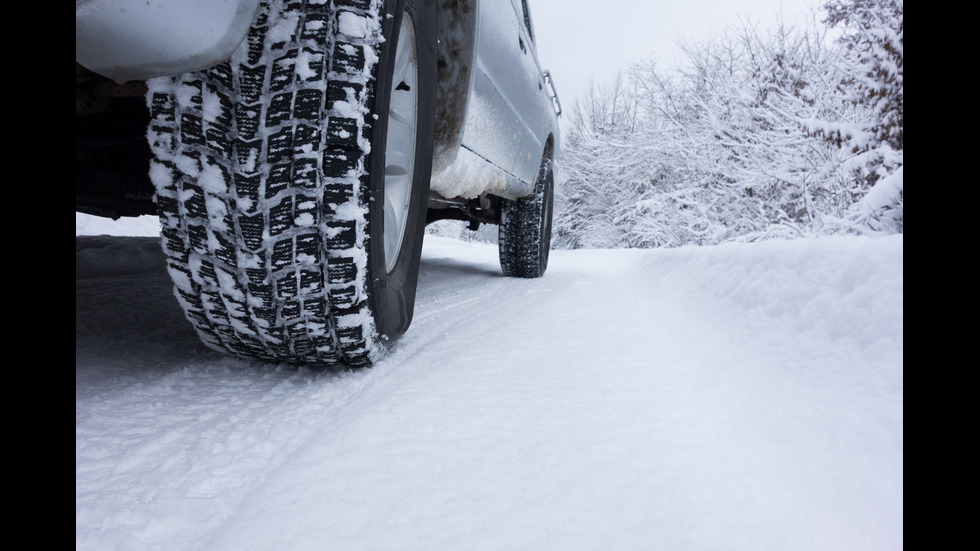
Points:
(292, 181)
(524, 236)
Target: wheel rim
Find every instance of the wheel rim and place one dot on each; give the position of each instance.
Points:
(400, 142)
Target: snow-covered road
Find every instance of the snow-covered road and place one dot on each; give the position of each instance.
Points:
(745, 396)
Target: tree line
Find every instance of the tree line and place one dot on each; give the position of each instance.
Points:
(759, 133)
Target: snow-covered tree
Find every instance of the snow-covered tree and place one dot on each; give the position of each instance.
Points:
(874, 38)
(761, 132)
(600, 165)
(873, 80)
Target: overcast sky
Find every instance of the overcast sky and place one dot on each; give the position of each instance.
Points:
(584, 40)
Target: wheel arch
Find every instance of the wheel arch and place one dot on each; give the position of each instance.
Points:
(456, 58)
(549, 158)
(549, 147)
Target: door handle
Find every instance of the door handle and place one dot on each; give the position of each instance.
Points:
(555, 102)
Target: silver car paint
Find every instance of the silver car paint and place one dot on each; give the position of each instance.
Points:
(138, 39)
(495, 106)
(506, 105)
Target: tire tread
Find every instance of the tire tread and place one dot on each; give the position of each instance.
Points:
(524, 234)
(246, 256)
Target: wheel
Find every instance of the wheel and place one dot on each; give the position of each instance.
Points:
(525, 228)
(292, 181)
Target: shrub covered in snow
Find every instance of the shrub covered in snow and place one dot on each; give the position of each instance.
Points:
(759, 133)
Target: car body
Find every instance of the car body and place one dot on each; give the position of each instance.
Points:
(496, 106)
(296, 149)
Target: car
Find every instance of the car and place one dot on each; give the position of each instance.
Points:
(295, 151)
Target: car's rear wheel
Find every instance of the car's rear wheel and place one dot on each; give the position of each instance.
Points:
(524, 235)
(292, 180)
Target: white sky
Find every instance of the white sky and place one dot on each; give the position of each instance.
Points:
(578, 41)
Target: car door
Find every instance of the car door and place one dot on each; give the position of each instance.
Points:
(532, 102)
(507, 97)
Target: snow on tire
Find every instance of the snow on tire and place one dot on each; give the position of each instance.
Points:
(524, 236)
(270, 176)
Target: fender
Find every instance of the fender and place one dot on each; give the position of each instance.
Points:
(138, 39)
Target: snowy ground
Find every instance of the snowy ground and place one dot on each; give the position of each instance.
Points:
(738, 397)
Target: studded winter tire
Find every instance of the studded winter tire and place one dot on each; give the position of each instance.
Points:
(292, 180)
(524, 235)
